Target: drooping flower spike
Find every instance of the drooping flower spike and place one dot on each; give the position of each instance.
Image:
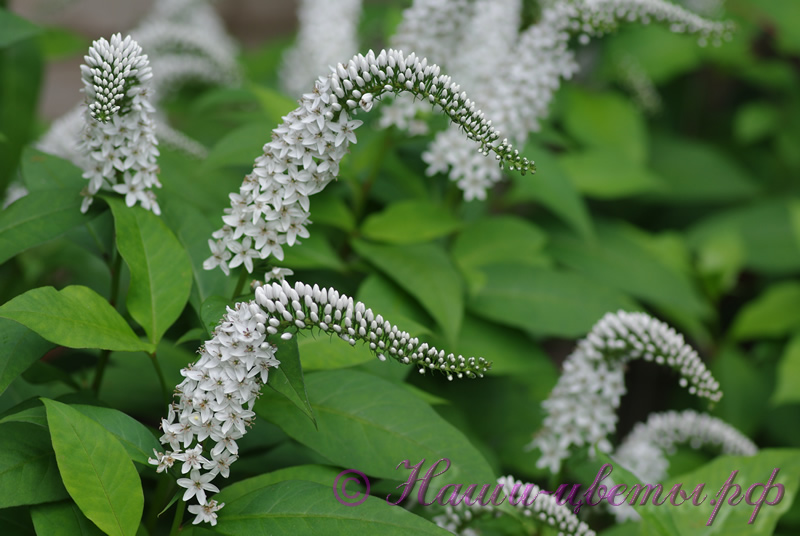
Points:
(327, 33)
(118, 144)
(581, 409)
(644, 451)
(215, 400)
(272, 206)
(528, 499)
(525, 75)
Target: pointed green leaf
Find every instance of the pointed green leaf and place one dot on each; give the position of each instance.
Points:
(544, 301)
(38, 217)
(772, 314)
(76, 317)
(786, 391)
(372, 425)
(425, 272)
(161, 273)
(605, 174)
(300, 507)
(28, 472)
(43, 171)
(321, 474)
(137, 440)
(14, 28)
(96, 470)
(322, 352)
(287, 379)
(409, 222)
(19, 348)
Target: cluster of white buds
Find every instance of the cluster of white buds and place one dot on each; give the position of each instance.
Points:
(327, 34)
(118, 143)
(272, 205)
(641, 87)
(528, 499)
(581, 410)
(215, 400)
(527, 65)
(645, 450)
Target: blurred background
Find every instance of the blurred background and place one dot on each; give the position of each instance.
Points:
(249, 21)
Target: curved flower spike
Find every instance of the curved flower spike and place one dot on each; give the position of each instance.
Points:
(581, 410)
(645, 450)
(119, 142)
(272, 205)
(528, 499)
(215, 400)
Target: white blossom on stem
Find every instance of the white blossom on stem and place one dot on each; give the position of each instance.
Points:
(303, 156)
(581, 409)
(118, 143)
(527, 498)
(644, 451)
(215, 399)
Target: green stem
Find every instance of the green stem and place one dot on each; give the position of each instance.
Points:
(115, 268)
(176, 522)
(101, 368)
(161, 380)
(240, 283)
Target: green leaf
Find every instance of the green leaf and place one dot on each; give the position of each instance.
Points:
(661, 53)
(606, 174)
(212, 311)
(193, 230)
(766, 231)
(371, 424)
(746, 385)
(76, 317)
(697, 172)
(552, 187)
(605, 121)
(731, 520)
(64, 518)
(43, 171)
(137, 440)
(14, 28)
(314, 252)
(38, 217)
(619, 260)
(545, 302)
(331, 210)
(499, 239)
(96, 470)
(275, 104)
(393, 303)
(323, 352)
(161, 273)
(321, 474)
(409, 222)
(755, 121)
(425, 272)
(28, 472)
(773, 314)
(287, 379)
(786, 391)
(299, 507)
(241, 146)
(19, 349)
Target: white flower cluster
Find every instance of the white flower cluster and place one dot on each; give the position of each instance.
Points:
(581, 410)
(327, 34)
(272, 207)
(527, 65)
(118, 142)
(185, 42)
(545, 508)
(215, 400)
(633, 76)
(644, 452)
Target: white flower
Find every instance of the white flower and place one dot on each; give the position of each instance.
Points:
(303, 156)
(206, 513)
(196, 485)
(581, 410)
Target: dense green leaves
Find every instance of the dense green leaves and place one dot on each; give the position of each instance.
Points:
(298, 507)
(76, 317)
(19, 348)
(38, 217)
(425, 272)
(96, 470)
(374, 433)
(409, 222)
(544, 301)
(161, 273)
(28, 472)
